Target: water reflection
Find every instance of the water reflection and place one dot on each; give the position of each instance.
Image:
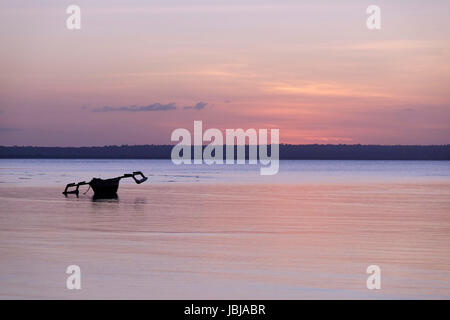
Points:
(223, 241)
(105, 198)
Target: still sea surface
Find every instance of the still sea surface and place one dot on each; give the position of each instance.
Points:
(226, 232)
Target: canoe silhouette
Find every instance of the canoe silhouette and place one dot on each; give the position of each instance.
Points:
(103, 187)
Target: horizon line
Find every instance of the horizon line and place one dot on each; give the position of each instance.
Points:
(280, 144)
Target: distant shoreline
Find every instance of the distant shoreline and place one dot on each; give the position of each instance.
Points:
(287, 152)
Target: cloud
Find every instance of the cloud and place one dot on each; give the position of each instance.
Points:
(3, 129)
(390, 45)
(150, 107)
(199, 106)
(325, 89)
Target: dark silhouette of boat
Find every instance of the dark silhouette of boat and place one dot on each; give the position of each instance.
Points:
(103, 188)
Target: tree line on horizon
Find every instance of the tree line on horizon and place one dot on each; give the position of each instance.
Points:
(287, 152)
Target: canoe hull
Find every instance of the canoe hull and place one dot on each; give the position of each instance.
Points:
(105, 187)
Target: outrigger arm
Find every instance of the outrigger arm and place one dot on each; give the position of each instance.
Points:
(133, 175)
(77, 185)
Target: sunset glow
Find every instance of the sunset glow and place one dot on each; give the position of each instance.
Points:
(310, 68)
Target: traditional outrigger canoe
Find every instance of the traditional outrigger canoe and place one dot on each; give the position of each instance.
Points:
(103, 188)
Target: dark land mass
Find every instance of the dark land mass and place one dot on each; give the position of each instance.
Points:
(287, 152)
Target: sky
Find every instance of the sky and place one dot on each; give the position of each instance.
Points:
(137, 70)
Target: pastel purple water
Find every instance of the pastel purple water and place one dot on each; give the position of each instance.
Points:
(202, 232)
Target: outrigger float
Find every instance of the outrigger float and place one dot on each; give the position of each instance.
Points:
(103, 188)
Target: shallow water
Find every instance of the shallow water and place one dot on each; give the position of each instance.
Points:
(227, 232)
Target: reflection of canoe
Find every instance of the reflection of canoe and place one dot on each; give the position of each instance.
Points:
(96, 197)
(106, 188)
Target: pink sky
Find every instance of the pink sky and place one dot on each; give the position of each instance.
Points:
(310, 68)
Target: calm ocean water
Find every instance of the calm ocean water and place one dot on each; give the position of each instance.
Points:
(29, 172)
(227, 232)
